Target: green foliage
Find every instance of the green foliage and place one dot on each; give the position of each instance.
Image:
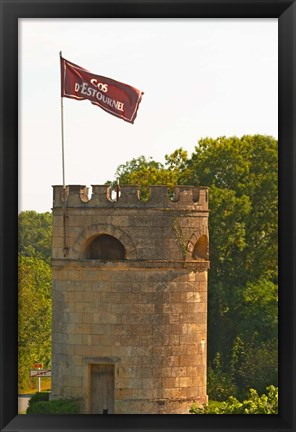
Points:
(242, 175)
(34, 316)
(221, 385)
(60, 406)
(254, 404)
(34, 234)
(258, 365)
(34, 296)
(144, 172)
(39, 397)
(260, 323)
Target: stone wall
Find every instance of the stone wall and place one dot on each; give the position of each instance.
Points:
(145, 314)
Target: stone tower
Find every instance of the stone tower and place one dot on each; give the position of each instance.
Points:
(130, 299)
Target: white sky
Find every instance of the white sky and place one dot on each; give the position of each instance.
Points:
(201, 78)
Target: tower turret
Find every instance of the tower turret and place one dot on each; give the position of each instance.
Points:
(130, 298)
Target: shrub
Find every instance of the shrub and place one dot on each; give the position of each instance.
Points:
(259, 366)
(255, 404)
(60, 406)
(39, 397)
(220, 384)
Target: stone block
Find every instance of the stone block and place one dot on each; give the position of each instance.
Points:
(172, 340)
(75, 339)
(192, 393)
(175, 308)
(141, 351)
(75, 275)
(189, 318)
(98, 329)
(147, 372)
(201, 277)
(151, 383)
(172, 318)
(187, 360)
(172, 382)
(185, 382)
(188, 339)
(177, 393)
(106, 318)
(84, 307)
(189, 329)
(192, 350)
(123, 393)
(109, 340)
(179, 371)
(95, 339)
(83, 350)
(101, 351)
(159, 350)
(129, 383)
(131, 298)
(173, 361)
(87, 339)
(134, 340)
(129, 372)
(135, 319)
(73, 317)
(87, 317)
(81, 328)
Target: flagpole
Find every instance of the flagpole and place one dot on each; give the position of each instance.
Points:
(62, 129)
(63, 149)
(65, 248)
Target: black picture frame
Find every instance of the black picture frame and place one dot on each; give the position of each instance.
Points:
(11, 11)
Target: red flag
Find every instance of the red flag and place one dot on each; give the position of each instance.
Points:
(121, 100)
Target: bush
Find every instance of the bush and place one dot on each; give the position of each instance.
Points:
(220, 384)
(259, 366)
(255, 404)
(60, 406)
(39, 397)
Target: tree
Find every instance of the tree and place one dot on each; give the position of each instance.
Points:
(245, 168)
(34, 315)
(145, 172)
(242, 176)
(34, 234)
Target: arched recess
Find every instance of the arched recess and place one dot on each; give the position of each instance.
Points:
(198, 247)
(201, 249)
(90, 233)
(104, 247)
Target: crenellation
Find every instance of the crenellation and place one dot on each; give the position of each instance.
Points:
(101, 196)
(184, 197)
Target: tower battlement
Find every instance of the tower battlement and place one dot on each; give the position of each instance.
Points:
(183, 197)
(129, 327)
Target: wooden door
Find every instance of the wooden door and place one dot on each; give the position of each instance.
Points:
(102, 389)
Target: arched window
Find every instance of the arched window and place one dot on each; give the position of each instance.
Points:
(105, 247)
(201, 250)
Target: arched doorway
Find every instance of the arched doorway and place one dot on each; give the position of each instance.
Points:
(105, 247)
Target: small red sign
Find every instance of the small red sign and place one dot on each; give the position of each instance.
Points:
(40, 373)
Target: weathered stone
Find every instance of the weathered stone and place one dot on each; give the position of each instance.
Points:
(142, 317)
